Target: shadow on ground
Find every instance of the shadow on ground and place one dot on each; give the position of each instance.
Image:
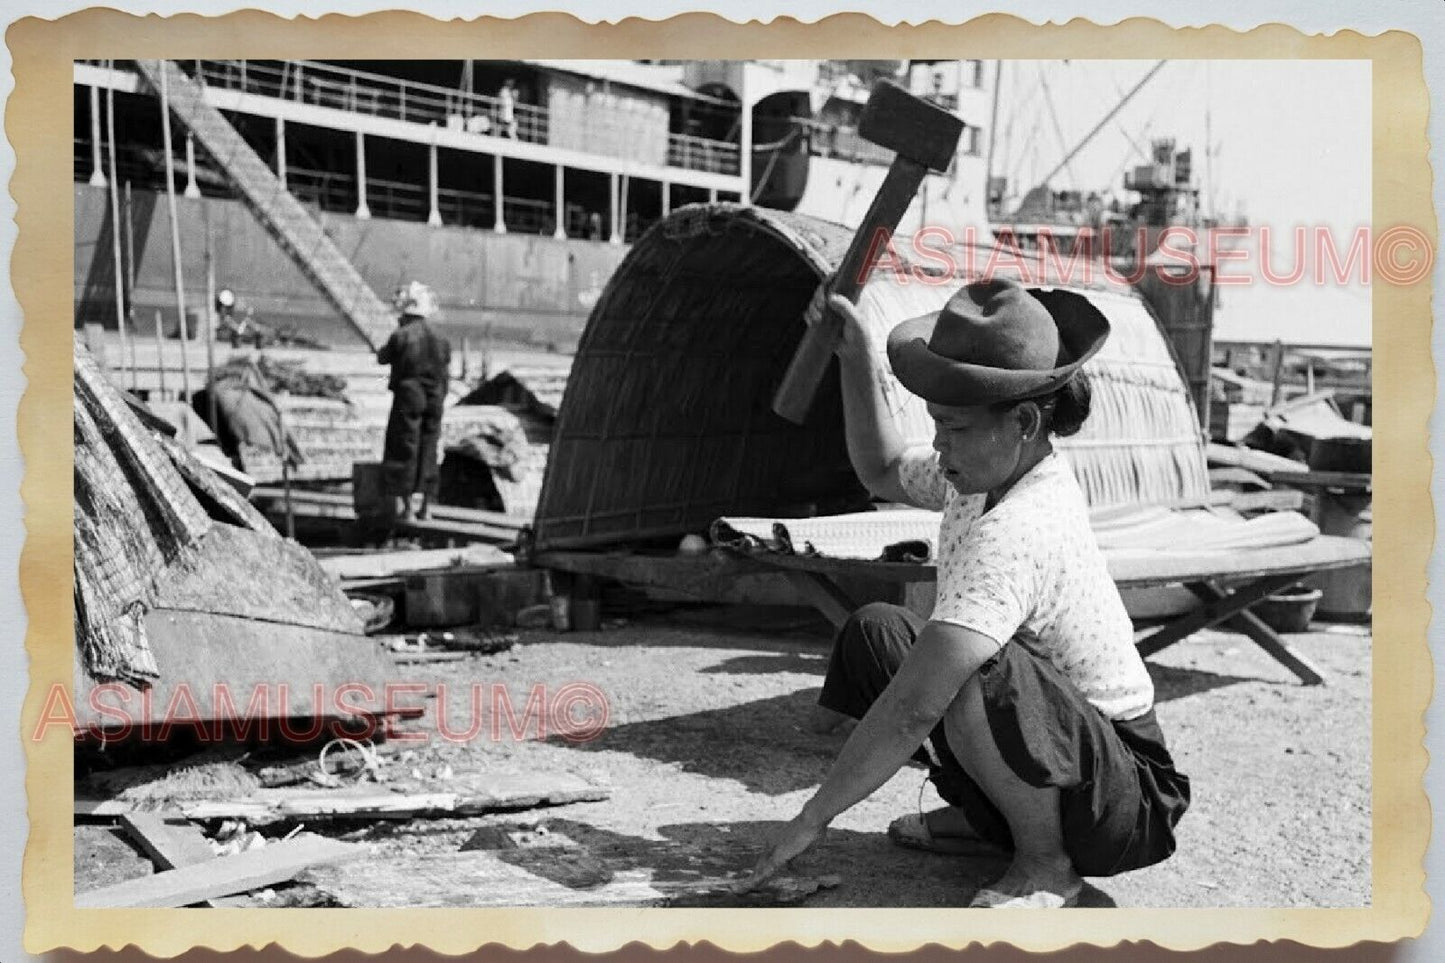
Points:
(762, 744)
(694, 863)
(1172, 682)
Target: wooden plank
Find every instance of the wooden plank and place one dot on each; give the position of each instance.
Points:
(107, 809)
(253, 869)
(474, 793)
(169, 841)
(1348, 480)
(424, 658)
(374, 565)
(453, 513)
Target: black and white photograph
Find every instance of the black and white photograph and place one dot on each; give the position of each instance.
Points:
(806, 483)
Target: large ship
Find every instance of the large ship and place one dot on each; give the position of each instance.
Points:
(512, 187)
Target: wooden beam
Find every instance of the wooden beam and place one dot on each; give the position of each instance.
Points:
(198, 882)
(824, 594)
(1214, 611)
(1263, 636)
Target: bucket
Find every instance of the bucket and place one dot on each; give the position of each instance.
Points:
(1289, 610)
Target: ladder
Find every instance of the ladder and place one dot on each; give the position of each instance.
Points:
(291, 224)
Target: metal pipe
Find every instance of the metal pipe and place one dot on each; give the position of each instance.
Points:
(175, 231)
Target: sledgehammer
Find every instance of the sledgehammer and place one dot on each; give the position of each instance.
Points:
(924, 137)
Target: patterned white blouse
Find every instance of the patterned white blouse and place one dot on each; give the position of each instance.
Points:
(1030, 570)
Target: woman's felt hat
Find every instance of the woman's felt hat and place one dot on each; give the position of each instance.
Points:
(996, 341)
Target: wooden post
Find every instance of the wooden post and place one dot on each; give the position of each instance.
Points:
(286, 489)
(210, 333)
(191, 189)
(666, 198)
(281, 151)
(499, 225)
(362, 211)
(115, 236)
(1278, 371)
(435, 217)
(97, 176)
(745, 143)
(175, 231)
(160, 358)
(130, 272)
(612, 198)
(560, 206)
(622, 204)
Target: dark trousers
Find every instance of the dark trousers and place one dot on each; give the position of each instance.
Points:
(409, 462)
(1119, 791)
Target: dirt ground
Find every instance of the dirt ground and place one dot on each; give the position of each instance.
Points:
(707, 750)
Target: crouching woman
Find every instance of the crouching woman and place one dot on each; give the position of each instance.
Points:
(1025, 684)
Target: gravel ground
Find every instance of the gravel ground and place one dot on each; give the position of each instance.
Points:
(707, 749)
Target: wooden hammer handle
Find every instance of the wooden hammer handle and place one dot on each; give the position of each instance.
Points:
(810, 362)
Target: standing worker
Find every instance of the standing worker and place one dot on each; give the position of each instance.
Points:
(420, 360)
(507, 104)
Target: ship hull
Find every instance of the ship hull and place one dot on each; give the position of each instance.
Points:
(518, 288)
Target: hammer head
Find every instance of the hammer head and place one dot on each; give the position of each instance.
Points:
(910, 126)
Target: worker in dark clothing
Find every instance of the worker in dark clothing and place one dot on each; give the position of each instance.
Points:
(420, 361)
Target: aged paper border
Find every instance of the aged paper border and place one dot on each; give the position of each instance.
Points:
(42, 278)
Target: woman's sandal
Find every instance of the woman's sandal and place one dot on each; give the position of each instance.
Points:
(1042, 899)
(912, 832)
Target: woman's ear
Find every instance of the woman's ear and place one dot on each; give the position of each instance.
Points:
(1031, 419)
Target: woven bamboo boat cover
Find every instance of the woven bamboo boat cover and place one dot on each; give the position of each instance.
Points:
(666, 423)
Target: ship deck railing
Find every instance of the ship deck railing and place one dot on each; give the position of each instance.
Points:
(143, 166)
(411, 101)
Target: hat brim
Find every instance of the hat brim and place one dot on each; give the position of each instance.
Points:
(942, 380)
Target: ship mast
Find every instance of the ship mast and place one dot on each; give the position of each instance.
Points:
(992, 136)
(1100, 125)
